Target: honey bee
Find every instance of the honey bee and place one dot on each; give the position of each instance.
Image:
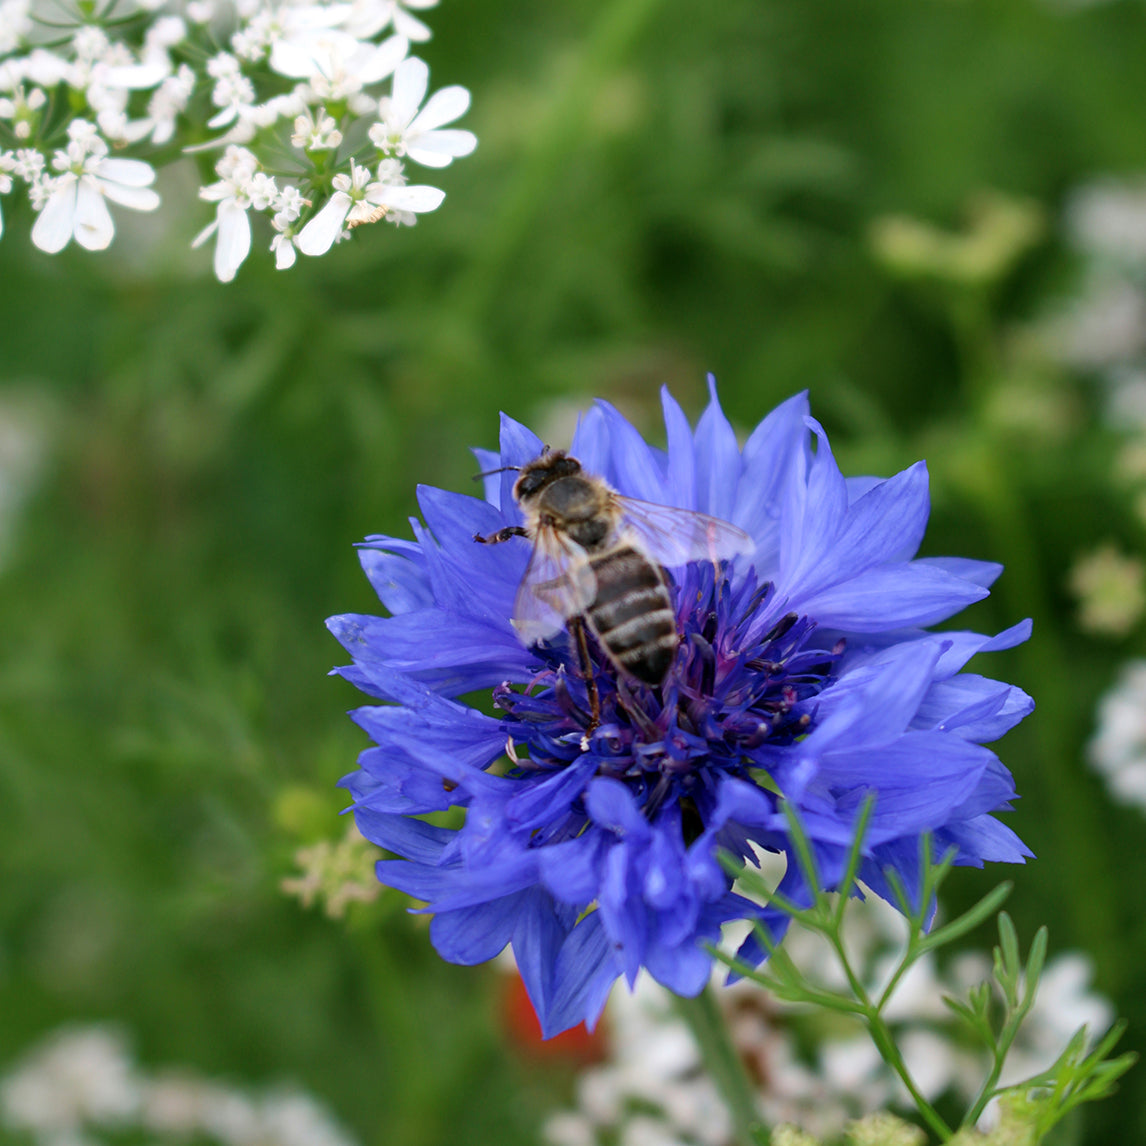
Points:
(598, 560)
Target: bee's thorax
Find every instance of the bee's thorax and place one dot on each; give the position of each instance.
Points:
(578, 507)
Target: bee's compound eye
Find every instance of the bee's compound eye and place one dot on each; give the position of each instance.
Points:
(529, 483)
(566, 467)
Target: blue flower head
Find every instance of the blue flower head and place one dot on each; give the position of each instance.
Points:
(804, 671)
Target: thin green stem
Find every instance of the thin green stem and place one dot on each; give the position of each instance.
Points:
(999, 1054)
(885, 1042)
(907, 960)
(858, 989)
(987, 1090)
(889, 1052)
(724, 1066)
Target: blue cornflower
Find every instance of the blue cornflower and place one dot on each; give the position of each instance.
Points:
(804, 671)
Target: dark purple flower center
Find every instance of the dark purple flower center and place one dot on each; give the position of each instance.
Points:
(743, 684)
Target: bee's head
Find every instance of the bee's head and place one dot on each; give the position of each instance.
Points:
(540, 472)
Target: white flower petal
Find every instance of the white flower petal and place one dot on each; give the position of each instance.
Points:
(313, 16)
(136, 76)
(440, 148)
(289, 58)
(129, 172)
(421, 5)
(443, 107)
(428, 158)
(367, 23)
(94, 228)
(410, 82)
(318, 236)
(284, 256)
(410, 26)
(224, 117)
(234, 241)
(56, 221)
(137, 198)
(205, 234)
(417, 198)
(136, 129)
(46, 68)
(378, 64)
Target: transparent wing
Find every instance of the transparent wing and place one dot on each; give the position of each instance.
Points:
(558, 584)
(675, 536)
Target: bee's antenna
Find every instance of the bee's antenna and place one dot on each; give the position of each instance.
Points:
(490, 473)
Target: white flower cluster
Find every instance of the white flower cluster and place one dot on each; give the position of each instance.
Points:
(309, 136)
(1118, 748)
(79, 1087)
(653, 1090)
(1103, 330)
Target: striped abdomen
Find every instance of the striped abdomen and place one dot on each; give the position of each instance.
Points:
(632, 613)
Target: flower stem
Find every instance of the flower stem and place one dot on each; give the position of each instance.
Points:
(884, 1040)
(724, 1066)
(889, 1052)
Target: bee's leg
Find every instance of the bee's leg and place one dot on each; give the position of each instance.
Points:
(577, 629)
(502, 535)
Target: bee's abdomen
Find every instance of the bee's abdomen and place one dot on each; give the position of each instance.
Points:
(632, 614)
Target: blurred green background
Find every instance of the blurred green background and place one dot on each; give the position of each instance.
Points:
(661, 189)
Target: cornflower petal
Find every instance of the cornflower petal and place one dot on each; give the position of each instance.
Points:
(806, 671)
(891, 597)
(634, 468)
(717, 459)
(770, 455)
(681, 477)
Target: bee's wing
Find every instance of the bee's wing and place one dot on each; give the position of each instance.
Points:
(558, 584)
(674, 537)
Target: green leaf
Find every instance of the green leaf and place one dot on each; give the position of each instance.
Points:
(969, 920)
(1007, 965)
(1009, 940)
(804, 853)
(900, 892)
(1035, 961)
(855, 854)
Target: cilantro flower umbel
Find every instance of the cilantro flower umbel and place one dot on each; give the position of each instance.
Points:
(804, 672)
(75, 206)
